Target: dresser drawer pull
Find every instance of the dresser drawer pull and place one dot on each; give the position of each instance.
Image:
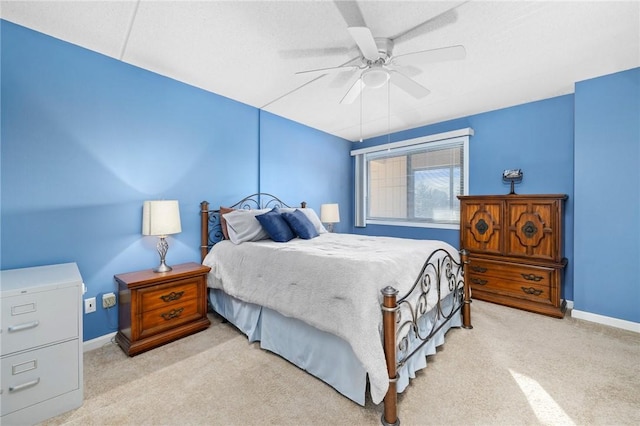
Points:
(480, 269)
(479, 281)
(172, 296)
(532, 277)
(24, 386)
(174, 313)
(25, 326)
(531, 290)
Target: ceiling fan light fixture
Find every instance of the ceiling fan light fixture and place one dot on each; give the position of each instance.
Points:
(375, 77)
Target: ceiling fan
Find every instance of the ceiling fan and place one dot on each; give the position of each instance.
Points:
(378, 65)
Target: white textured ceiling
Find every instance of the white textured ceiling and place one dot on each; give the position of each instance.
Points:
(249, 51)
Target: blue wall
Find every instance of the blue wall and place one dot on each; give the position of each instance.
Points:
(86, 139)
(316, 166)
(607, 192)
(536, 137)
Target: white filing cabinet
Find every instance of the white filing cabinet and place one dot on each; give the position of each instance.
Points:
(41, 343)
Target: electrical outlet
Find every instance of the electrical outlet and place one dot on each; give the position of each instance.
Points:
(89, 305)
(108, 300)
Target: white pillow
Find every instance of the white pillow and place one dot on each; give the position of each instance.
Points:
(311, 214)
(242, 226)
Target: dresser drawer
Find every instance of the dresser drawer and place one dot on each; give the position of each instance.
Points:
(168, 295)
(35, 376)
(38, 318)
(168, 317)
(518, 289)
(512, 272)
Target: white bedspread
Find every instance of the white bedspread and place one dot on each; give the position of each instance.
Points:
(332, 282)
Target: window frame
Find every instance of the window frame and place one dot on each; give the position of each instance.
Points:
(363, 155)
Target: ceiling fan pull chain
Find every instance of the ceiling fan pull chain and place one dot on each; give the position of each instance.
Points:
(388, 111)
(361, 95)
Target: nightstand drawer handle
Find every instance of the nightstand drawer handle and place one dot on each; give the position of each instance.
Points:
(25, 326)
(478, 269)
(172, 296)
(532, 277)
(531, 290)
(24, 385)
(479, 281)
(174, 313)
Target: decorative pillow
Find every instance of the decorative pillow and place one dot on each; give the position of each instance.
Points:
(223, 221)
(242, 226)
(313, 217)
(276, 226)
(300, 224)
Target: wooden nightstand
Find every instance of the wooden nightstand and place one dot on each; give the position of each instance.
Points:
(159, 307)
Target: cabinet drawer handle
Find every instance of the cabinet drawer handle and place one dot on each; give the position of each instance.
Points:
(479, 281)
(478, 269)
(172, 296)
(174, 313)
(531, 290)
(532, 277)
(25, 326)
(24, 386)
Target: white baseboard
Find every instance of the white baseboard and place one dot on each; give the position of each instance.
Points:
(98, 342)
(610, 321)
(569, 304)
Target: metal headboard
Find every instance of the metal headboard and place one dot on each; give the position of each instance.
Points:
(211, 228)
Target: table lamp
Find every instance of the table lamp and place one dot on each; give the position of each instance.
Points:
(329, 214)
(161, 218)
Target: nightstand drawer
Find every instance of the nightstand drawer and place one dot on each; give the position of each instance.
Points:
(168, 317)
(35, 376)
(168, 295)
(38, 318)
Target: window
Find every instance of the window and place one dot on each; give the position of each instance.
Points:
(414, 182)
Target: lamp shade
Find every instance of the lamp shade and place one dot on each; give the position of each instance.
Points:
(329, 213)
(161, 217)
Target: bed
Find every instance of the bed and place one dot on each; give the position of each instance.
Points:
(358, 312)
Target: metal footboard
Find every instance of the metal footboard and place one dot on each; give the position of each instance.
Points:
(401, 316)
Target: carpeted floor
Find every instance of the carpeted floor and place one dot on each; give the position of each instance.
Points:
(513, 368)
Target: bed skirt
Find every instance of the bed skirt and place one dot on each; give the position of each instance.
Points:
(309, 348)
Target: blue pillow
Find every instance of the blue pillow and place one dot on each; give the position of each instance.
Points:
(300, 223)
(275, 225)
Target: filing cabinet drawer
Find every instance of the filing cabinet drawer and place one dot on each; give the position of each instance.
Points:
(34, 376)
(38, 318)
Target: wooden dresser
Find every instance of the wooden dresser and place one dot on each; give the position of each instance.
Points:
(515, 250)
(159, 307)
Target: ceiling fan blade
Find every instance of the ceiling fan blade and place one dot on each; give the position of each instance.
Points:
(353, 92)
(450, 53)
(328, 70)
(365, 41)
(314, 52)
(410, 86)
(351, 13)
(447, 17)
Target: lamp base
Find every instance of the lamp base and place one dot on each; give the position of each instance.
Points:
(163, 267)
(162, 248)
